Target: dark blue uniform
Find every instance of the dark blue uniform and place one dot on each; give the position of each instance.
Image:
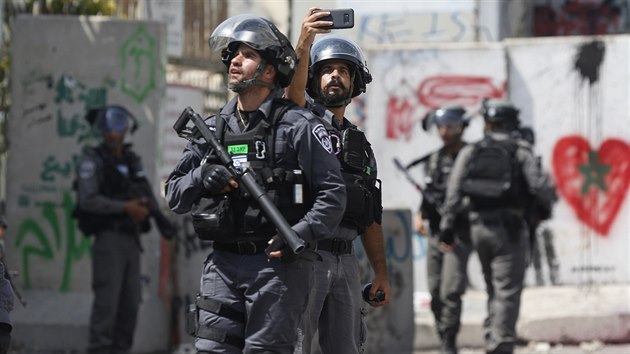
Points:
(262, 299)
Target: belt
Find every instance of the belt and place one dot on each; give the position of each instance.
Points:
(335, 246)
(242, 247)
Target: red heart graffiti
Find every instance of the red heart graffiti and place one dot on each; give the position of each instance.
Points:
(594, 183)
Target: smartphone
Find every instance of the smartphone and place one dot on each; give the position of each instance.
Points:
(341, 18)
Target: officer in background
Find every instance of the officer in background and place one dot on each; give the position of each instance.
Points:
(499, 174)
(249, 303)
(540, 234)
(6, 295)
(446, 271)
(337, 73)
(104, 190)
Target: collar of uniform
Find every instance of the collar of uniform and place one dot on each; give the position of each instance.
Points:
(326, 114)
(229, 110)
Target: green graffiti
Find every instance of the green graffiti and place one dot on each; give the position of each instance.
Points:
(74, 249)
(70, 91)
(138, 55)
(51, 167)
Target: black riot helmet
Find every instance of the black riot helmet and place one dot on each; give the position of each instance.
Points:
(333, 47)
(500, 112)
(448, 114)
(260, 34)
(112, 118)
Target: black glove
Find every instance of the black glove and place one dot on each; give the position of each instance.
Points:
(447, 236)
(215, 177)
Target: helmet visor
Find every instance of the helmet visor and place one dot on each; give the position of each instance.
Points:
(116, 119)
(449, 117)
(249, 29)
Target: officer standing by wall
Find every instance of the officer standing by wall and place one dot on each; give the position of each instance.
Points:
(446, 271)
(6, 295)
(248, 302)
(106, 197)
(499, 174)
(337, 73)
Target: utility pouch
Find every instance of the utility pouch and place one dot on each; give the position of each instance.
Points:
(354, 146)
(359, 203)
(192, 319)
(212, 219)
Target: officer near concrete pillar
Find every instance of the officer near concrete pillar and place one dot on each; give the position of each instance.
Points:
(251, 302)
(498, 174)
(109, 206)
(446, 271)
(337, 73)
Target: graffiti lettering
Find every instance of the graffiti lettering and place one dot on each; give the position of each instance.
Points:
(47, 249)
(52, 167)
(139, 54)
(433, 92)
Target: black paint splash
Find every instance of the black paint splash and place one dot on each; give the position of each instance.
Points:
(588, 60)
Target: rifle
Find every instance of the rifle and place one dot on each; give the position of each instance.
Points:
(245, 178)
(164, 225)
(405, 170)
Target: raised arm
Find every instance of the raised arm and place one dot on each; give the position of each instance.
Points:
(310, 27)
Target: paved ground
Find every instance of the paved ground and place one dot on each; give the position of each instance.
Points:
(544, 348)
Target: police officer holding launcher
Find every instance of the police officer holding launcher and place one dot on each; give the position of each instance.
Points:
(336, 74)
(446, 271)
(499, 174)
(249, 303)
(116, 215)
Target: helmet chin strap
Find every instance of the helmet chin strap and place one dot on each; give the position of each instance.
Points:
(255, 81)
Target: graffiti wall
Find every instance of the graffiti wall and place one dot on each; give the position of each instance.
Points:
(575, 94)
(407, 84)
(391, 328)
(61, 68)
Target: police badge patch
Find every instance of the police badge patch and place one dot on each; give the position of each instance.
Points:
(321, 134)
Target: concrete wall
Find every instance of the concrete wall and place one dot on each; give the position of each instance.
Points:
(574, 94)
(61, 67)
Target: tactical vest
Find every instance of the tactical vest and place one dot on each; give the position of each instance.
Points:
(436, 179)
(114, 185)
(235, 216)
(362, 188)
(492, 178)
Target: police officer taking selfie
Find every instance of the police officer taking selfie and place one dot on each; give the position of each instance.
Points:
(338, 72)
(251, 301)
(446, 271)
(499, 174)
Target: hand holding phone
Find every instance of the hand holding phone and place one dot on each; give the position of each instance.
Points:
(341, 18)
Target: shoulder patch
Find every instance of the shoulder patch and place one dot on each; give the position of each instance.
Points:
(87, 169)
(321, 134)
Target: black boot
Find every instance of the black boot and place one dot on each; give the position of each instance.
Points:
(447, 344)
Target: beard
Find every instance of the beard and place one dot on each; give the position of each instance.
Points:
(241, 86)
(335, 98)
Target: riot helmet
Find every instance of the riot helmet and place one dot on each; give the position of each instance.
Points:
(500, 112)
(112, 118)
(333, 47)
(527, 134)
(448, 114)
(260, 34)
